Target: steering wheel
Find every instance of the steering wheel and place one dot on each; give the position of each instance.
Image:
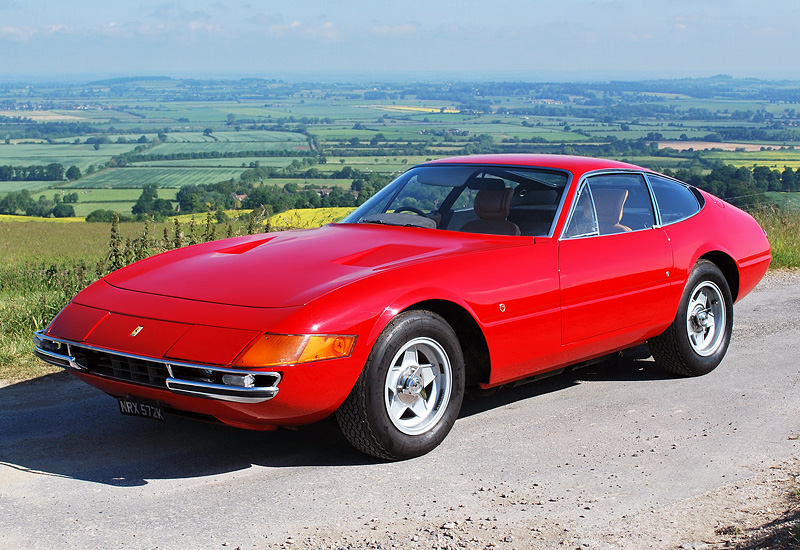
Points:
(416, 211)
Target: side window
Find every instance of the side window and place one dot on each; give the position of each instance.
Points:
(583, 222)
(622, 203)
(675, 201)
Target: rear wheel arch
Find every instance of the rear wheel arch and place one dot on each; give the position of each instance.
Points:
(728, 267)
(473, 343)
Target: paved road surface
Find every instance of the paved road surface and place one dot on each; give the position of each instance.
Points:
(580, 455)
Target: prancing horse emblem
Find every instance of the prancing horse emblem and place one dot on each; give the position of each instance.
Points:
(136, 331)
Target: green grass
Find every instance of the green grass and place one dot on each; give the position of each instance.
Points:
(386, 165)
(259, 136)
(783, 228)
(223, 147)
(775, 159)
(117, 195)
(320, 183)
(233, 136)
(32, 186)
(65, 154)
(134, 177)
(117, 199)
(45, 241)
(233, 162)
(108, 199)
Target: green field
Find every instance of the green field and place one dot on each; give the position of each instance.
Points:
(230, 147)
(118, 199)
(254, 136)
(776, 159)
(134, 177)
(319, 183)
(232, 162)
(32, 186)
(67, 155)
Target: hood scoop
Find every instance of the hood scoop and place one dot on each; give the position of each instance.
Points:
(244, 247)
(384, 255)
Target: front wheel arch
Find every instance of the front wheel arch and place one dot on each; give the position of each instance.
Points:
(477, 359)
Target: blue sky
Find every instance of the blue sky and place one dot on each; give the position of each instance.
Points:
(402, 39)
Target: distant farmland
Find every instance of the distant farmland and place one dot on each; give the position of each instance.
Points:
(223, 147)
(134, 177)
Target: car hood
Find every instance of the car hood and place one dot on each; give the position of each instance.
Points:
(294, 267)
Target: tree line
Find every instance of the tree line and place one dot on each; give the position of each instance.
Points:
(16, 202)
(741, 186)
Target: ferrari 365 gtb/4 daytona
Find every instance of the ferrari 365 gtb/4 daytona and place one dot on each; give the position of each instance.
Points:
(479, 270)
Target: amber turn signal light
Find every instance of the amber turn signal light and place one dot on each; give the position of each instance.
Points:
(280, 349)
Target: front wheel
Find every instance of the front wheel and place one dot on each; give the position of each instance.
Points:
(696, 341)
(409, 394)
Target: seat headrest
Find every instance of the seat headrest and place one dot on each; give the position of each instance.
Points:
(609, 204)
(493, 204)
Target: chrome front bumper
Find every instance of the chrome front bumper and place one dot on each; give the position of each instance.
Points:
(210, 382)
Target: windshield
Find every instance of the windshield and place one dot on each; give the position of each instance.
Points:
(477, 199)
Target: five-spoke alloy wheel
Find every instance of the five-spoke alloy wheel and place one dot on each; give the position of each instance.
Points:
(409, 394)
(698, 338)
(418, 386)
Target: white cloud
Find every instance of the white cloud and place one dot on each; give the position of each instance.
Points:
(20, 34)
(202, 26)
(52, 29)
(396, 30)
(281, 30)
(326, 30)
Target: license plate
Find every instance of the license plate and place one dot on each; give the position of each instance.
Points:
(134, 407)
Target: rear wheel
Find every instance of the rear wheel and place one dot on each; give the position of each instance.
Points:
(696, 341)
(409, 394)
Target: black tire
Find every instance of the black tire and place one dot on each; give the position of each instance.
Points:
(415, 366)
(696, 341)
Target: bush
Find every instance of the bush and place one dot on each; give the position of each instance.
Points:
(105, 216)
(62, 210)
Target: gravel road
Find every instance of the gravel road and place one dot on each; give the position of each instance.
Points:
(618, 455)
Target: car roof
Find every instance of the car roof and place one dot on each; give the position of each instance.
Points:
(575, 164)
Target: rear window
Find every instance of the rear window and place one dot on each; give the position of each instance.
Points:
(675, 201)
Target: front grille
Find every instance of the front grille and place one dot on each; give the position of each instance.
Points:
(207, 381)
(120, 367)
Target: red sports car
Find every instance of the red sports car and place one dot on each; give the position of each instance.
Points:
(479, 270)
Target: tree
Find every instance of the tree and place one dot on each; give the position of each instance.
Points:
(207, 131)
(149, 203)
(16, 201)
(73, 173)
(789, 181)
(54, 172)
(62, 210)
(41, 208)
(100, 215)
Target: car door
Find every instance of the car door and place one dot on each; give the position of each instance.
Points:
(614, 263)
